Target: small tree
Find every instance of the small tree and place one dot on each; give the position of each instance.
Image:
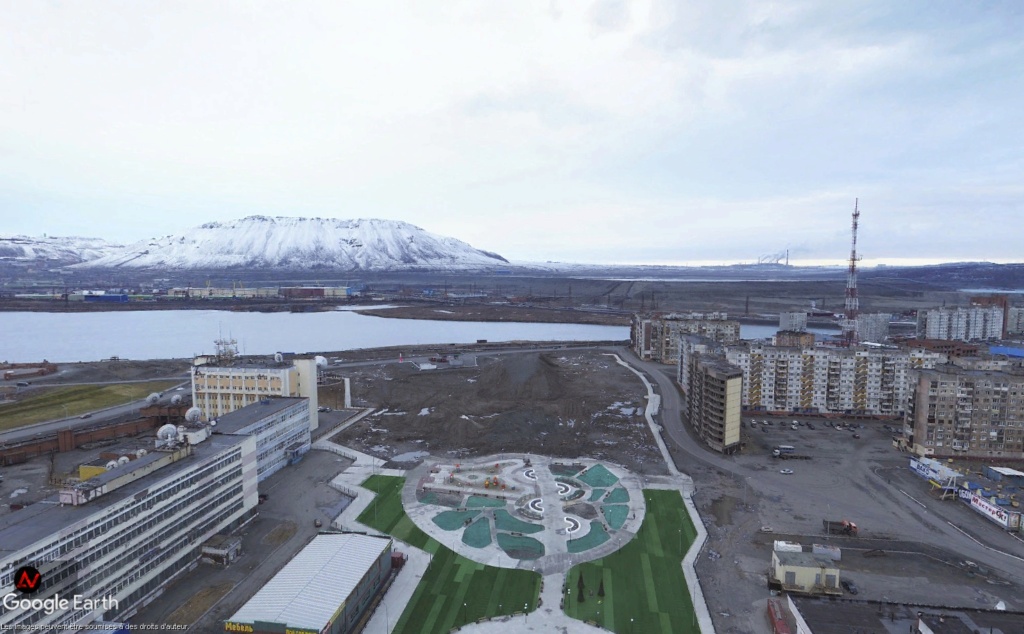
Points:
(600, 589)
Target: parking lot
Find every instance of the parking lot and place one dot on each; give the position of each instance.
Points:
(851, 473)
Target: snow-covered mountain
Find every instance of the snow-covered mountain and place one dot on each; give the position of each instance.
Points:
(62, 250)
(262, 242)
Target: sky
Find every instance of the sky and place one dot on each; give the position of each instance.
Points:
(608, 131)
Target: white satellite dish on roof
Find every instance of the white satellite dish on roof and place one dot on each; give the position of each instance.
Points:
(111, 465)
(193, 414)
(321, 362)
(167, 433)
(153, 398)
(176, 399)
(123, 460)
(278, 357)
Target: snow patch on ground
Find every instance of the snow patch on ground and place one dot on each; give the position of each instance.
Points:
(409, 456)
(424, 412)
(18, 492)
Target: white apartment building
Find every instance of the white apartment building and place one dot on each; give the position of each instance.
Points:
(121, 536)
(972, 323)
(819, 380)
(873, 328)
(220, 389)
(657, 336)
(793, 322)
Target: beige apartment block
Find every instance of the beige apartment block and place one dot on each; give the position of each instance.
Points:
(220, 389)
(965, 413)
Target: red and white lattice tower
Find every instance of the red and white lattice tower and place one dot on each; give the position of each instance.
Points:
(852, 308)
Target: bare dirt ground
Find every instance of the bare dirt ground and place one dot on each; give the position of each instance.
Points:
(564, 404)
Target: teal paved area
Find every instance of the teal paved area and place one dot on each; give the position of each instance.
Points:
(617, 496)
(599, 476)
(504, 521)
(454, 520)
(477, 502)
(595, 537)
(520, 547)
(478, 534)
(615, 515)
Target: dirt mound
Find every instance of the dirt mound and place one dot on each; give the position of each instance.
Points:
(522, 377)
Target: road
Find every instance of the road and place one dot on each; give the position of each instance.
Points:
(852, 484)
(96, 418)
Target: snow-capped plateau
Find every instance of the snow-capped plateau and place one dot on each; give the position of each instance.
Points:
(63, 250)
(261, 242)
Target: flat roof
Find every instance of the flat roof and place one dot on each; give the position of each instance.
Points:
(1007, 471)
(804, 559)
(231, 422)
(308, 591)
(20, 529)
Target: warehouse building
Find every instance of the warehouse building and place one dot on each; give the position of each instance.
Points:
(117, 539)
(326, 588)
(280, 426)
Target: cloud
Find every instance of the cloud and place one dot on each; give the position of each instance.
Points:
(541, 130)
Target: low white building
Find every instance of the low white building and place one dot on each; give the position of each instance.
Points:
(280, 426)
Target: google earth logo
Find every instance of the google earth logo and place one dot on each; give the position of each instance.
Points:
(28, 580)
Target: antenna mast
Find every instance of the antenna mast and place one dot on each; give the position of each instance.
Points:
(852, 307)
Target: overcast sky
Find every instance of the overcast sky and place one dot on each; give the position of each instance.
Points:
(608, 131)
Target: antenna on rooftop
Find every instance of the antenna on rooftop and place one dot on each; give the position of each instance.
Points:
(852, 307)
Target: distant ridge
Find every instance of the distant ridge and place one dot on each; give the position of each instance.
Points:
(263, 242)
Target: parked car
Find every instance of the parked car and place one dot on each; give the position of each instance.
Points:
(810, 426)
(850, 586)
(86, 416)
(856, 435)
(786, 472)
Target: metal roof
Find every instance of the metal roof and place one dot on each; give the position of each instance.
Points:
(1007, 471)
(236, 421)
(309, 590)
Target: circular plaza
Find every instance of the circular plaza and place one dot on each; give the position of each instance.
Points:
(526, 511)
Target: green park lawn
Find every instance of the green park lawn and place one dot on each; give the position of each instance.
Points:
(52, 403)
(454, 590)
(644, 587)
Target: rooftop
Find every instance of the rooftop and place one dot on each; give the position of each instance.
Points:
(809, 560)
(233, 422)
(307, 592)
(20, 529)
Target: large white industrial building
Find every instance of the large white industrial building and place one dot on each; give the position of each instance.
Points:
(325, 588)
(121, 536)
(280, 426)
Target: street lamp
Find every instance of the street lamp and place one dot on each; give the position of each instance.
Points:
(526, 615)
(65, 411)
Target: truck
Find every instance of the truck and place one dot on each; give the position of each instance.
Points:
(839, 527)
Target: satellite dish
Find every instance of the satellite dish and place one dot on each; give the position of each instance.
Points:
(123, 460)
(213, 423)
(1001, 606)
(167, 433)
(111, 465)
(321, 362)
(140, 452)
(176, 399)
(278, 357)
(193, 414)
(153, 398)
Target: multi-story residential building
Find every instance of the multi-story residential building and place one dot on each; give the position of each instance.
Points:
(1015, 321)
(858, 380)
(972, 323)
(873, 328)
(219, 388)
(967, 413)
(793, 338)
(712, 392)
(116, 540)
(793, 322)
(656, 336)
(280, 426)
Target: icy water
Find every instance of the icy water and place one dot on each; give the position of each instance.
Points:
(170, 334)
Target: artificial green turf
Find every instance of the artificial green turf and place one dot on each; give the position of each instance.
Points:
(645, 590)
(437, 605)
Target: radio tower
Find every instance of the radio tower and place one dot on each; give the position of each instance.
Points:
(852, 309)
